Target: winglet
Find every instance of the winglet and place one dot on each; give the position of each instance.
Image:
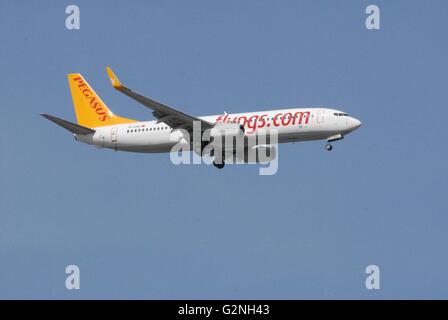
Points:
(113, 79)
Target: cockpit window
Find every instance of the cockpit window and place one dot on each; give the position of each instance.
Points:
(340, 114)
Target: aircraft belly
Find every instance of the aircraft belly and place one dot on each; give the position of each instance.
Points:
(148, 148)
(304, 136)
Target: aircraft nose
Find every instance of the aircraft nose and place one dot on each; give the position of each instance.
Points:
(355, 123)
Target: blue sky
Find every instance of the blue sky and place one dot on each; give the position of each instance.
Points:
(140, 227)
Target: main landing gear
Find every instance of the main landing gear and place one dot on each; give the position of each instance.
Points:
(219, 165)
(328, 147)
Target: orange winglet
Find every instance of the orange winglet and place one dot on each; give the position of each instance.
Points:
(113, 79)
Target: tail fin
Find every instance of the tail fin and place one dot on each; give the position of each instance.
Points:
(90, 110)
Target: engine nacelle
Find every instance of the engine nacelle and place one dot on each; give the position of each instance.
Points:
(255, 154)
(227, 130)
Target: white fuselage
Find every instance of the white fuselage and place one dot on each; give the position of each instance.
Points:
(291, 124)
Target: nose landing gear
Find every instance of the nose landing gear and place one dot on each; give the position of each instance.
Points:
(336, 137)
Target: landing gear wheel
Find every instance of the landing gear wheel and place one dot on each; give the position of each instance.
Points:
(219, 165)
(329, 147)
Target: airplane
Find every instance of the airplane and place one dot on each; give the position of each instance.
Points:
(97, 125)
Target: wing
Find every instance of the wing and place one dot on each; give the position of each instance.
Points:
(174, 118)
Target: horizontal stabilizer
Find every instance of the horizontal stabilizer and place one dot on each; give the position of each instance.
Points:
(70, 126)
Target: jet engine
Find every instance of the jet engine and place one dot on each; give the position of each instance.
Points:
(226, 130)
